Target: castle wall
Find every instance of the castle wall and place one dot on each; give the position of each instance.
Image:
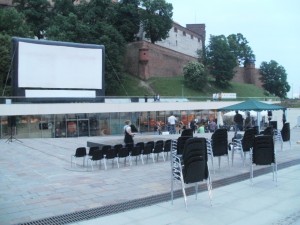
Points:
(248, 75)
(146, 60)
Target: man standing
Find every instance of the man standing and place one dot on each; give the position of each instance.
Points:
(238, 120)
(172, 121)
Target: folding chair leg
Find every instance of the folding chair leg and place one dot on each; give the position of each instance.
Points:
(105, 164)
(209, 188)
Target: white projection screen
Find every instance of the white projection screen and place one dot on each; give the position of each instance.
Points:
(57, 70)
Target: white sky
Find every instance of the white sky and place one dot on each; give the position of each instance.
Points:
(272, 28)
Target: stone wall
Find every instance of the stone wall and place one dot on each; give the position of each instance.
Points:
(146, 60)
(248, 75)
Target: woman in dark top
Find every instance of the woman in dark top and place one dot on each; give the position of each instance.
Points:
(128, 138)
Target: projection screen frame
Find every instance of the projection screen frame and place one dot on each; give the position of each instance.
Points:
(99, 90)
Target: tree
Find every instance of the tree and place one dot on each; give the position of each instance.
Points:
(220, 60)
(36, 13)
(195, 75)
(238, 44)
(11, 24)
(274, 78)
(156, 18)
(126, 18)
(90, 23)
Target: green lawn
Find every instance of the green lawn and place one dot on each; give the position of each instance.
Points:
(174, 86)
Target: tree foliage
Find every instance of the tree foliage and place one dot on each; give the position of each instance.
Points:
(127, 19)
(12, 23)
(195, 75)
(102, 22)
(156, 19)
(36, 13)
(238, 44)
(220, 60)
(274, 78)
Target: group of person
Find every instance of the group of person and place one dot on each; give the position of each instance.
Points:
(240, 124)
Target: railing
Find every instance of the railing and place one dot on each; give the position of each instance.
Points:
(124, 99)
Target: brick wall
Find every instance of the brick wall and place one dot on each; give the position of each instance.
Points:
(146, 60)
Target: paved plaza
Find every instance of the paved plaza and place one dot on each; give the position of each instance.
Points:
(39, 186)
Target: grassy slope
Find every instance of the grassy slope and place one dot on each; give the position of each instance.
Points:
(173, 86)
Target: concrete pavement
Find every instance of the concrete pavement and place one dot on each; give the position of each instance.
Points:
(39, 186)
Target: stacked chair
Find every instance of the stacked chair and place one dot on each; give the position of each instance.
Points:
(219, 144)
(263, 153)
(191, 167)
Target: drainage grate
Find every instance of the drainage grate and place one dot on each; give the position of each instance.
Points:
(147, 201)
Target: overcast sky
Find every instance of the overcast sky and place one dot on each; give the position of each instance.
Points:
(272, 28)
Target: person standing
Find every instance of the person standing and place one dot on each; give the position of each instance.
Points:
(238, 120)
(193, 125)
(248, 121)
(128, 134)
(172, 121)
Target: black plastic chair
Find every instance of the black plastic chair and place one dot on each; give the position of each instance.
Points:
(187, 132)
(129, 146)
(92, 149)
(96, 155)
(148, 149)
(243, 145)
(263, 153)
(180, 143)
(117, 147)
(268, 131)
(219, 144)
(285, 134)
(191, 167)
(124, 153)
(137, 153)
(167, 147)
(141, 145)
(109, 154)
(105, 148)
(79, 153)
(158, 148)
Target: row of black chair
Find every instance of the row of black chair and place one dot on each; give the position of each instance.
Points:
(120, 151)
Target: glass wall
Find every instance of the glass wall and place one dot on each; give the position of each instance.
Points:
(95, 124)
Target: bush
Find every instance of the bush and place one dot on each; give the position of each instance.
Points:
(195, 75)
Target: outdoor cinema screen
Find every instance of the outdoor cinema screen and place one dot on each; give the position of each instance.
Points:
(62, 70)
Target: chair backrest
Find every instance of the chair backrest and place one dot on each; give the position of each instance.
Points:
(219, 142)
(92, 149)
(148, 147)
(105, 148)
(136, 150)
(285, 132)
(117, 147)
(80, 152)
(123, 152)
(141, 145)
(180, 144)
(194, 159)
(97, 155)
(158, 146)
(187, 132)
(263, 150)
(110, 153)
(167, 145)
(129, 146)
(248, 139)
(268, 131)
